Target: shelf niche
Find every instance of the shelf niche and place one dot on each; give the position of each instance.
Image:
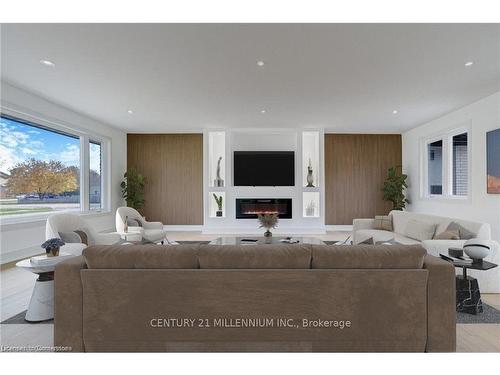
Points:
(310, 157)
(216, 151)
(213, 207)
(310, 204)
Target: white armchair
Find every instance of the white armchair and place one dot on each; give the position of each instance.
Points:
(151, 230)
(66, 222)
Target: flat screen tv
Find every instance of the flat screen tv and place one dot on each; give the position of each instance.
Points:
(264, 168)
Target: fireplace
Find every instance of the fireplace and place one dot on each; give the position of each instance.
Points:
(249, 208)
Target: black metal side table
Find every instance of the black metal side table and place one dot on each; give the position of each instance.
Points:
(467, 287)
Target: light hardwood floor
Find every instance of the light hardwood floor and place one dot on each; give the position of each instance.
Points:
(16, 286)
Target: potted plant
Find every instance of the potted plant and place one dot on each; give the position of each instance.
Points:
(133, 188)
(268, 221)
(52, 246)
(394, 188)
(218, 200)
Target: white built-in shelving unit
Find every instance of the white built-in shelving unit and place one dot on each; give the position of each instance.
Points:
(307, 202)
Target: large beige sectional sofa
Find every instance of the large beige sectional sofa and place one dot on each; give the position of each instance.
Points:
(260, 298)
(489, 281)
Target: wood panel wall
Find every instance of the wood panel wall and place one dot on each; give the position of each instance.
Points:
(173, 167)
(355, 169)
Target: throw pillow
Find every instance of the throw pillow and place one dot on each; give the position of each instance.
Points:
(134, 223)
(448, 235)
(465, 234)
(77, 236)
(420, 230)
(383, 223)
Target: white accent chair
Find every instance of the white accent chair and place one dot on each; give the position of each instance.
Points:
(66, 222)
(151, 230)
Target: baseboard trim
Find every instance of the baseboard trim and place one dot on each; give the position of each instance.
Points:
(183, 228)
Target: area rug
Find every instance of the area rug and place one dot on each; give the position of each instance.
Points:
(490, 315)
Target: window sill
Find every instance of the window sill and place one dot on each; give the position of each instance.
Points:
(42, 217)
(447, 198)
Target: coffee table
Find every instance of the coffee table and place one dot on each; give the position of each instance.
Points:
(274, 240)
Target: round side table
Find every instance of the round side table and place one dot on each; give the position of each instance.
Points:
(41, 305)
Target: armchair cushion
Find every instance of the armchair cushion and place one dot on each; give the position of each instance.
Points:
(134, 223)
(106, 238)
(76, 236)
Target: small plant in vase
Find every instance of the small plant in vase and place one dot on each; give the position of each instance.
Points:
(268, 221)
(218, 201)
(52, 246)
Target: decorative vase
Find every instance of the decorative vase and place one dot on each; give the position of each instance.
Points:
(218, 182)
(310, 178)
(268, 233)
(53, 252)
(125, 224)
(218, 213)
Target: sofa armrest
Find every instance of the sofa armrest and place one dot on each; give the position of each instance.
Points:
(441, 308)
(68, 304)
(358, 224)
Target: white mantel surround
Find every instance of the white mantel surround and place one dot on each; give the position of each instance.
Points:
(225, 142)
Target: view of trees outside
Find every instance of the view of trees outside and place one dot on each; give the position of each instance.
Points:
(40, 170)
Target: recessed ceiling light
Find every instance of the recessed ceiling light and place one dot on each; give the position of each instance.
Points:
(469, 63)
(47, 63)
(395, 112)
(263, 111)
(130, 111)
(260, 63)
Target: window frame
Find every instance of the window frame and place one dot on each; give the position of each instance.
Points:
(447, 164)
(84, 136)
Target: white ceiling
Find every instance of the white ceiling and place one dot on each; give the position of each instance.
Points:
(175, 77)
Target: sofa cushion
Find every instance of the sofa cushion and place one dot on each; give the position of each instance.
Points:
(368, 256)
(382, 236)
(282, 256)
(382, 223)
(448, 235)
(420, 230)
(141, 256)
(464, 233)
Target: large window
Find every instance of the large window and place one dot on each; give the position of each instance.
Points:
(435, 168)
(446, 165)
(460, 164)
(95, 180)
(41, 169)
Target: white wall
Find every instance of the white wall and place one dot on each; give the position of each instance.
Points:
(18, 240)
(482, 116)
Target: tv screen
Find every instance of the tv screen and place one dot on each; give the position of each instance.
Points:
(264, 168)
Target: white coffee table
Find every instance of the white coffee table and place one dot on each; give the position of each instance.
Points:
(41, 305)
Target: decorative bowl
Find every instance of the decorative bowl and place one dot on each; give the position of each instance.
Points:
(476, 248)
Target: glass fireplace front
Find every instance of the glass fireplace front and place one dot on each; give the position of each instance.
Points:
(249, 208)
